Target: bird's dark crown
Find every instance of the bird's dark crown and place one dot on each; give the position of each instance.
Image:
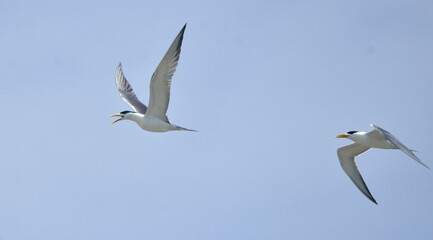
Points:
(351, 132)
(125, 112)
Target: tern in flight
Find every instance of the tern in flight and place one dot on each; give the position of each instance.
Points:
(378, 138)
(152, 118)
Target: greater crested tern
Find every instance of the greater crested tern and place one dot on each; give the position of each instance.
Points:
(378, 138)
(152, 118)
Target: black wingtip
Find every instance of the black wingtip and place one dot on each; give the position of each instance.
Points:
(369, 196)
(183, 29)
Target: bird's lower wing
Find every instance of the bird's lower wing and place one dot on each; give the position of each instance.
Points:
(388, 136)
(347, 155)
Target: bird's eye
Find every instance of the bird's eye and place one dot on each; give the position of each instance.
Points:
(352, 132)
(125, 112)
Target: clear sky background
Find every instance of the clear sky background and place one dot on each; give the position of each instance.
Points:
(268, 84)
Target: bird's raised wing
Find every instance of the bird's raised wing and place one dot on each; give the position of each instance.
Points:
(127, 93)
(388, 136)
(161, 80)
(347, 155)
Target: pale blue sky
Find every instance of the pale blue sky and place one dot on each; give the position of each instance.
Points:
(268, 84)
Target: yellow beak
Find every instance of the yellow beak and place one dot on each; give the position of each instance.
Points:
(341, 135)
(116, 115)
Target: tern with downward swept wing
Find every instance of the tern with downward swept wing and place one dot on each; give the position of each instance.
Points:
(378, 138)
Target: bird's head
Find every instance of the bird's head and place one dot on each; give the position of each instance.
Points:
(349, 134)
(123, 116)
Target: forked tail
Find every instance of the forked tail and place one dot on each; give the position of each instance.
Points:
(184, 129)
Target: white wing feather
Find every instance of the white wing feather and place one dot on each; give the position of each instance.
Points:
(127, 93)
(388, 136)
(161, 80)
(347, 155)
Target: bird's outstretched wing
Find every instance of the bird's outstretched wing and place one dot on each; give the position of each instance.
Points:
(161, 80)
(347, 155)
(127, 93)
(388, 136)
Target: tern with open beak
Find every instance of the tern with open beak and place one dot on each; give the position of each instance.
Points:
(152, 118)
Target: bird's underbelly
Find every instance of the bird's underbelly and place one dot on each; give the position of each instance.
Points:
(155, 125)
(377, 143)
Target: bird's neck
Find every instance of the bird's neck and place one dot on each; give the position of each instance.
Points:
(136, 117)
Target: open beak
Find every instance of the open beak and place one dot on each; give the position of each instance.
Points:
(117, 115)
(342, 135)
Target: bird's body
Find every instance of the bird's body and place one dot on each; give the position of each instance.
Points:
(378, 138)
(153, 124)
(147, 123)
(152, 118)
(372, 139)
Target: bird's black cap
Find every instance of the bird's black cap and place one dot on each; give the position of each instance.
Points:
(352, 132)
